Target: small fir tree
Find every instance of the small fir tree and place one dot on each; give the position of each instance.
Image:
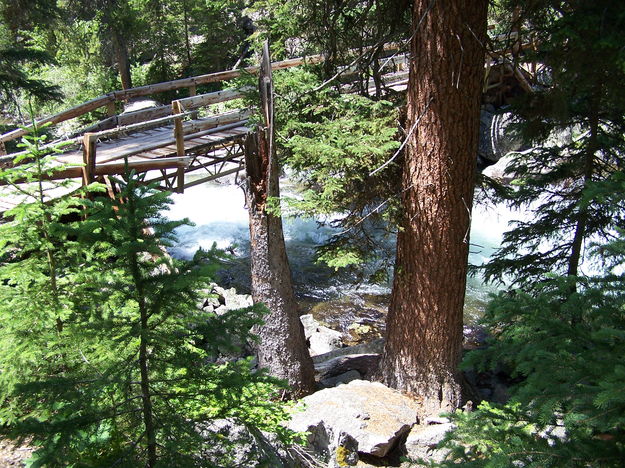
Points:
(566, 349)
(106, 358)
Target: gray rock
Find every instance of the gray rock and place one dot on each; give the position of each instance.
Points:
(497, 170)
(230, 443)
(423, 440)
(474, 336)
(554, 433)
(365, 364)
(320, 339)
(232, 300)
(373, 347)
(496, 139)
(340, 379)
(369, 413)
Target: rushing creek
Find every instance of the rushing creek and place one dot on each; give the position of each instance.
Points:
(220, 218)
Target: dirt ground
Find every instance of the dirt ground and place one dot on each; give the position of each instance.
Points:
(12, 455)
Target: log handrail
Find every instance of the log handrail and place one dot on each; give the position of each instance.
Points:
(108, 100)
(124, 95)
(193, 102)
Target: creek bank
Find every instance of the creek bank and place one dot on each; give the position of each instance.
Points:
(352, 421)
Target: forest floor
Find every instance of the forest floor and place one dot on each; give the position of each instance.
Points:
(12, 455)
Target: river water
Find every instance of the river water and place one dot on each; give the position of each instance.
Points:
(220, 218)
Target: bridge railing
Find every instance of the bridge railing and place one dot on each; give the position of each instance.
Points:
(109, 100)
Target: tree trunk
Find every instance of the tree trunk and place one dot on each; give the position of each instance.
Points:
(282, 348)
(581, 221)
(120, 50)
(424, 324)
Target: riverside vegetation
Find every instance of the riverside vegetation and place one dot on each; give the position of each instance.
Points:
(104, 358)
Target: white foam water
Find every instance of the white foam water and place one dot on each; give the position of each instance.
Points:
(220, 217)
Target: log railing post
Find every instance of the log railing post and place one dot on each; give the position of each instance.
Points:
(193, 92)
(177, 108)
(88, 156)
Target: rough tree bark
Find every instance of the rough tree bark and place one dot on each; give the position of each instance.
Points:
(424, 324)
(282, 348)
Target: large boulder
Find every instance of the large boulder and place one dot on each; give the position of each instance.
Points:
(496, 137)
(320, 339)
(358, 417)
(373, 347)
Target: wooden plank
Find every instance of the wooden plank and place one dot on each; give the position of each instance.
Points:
(143, 166)
(193, 92)
(105, 124)
(176, 108)
(120, 168)
(143, 115)
(209, 78)
(195, 126)
(150, 124)
(110, 109)
(61, 116)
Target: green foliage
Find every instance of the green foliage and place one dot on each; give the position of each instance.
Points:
(339, 30)
(563, 341)
(15, 79)
(575, 120)
(104, 353)
(333, 142)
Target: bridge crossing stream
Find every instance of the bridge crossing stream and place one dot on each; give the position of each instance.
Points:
(191, 143)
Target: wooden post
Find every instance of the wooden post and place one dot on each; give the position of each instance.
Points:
(177, 108)
(3, 149)
(88, 157)
(193, 92)
(111, 109)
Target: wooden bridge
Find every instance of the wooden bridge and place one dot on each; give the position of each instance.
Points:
(165, 143)
(187, 136)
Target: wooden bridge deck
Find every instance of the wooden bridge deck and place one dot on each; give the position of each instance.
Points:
(153, 153)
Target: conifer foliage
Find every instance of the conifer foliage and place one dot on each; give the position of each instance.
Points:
(560, 328)
(568, 409)
(574, 121)
(105, 358)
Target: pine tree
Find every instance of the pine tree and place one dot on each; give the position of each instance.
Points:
(575, 123)
(424, 322)
(106, 358)
(565, 349)
(559, 326)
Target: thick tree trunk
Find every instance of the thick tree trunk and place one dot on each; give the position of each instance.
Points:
(282, 348)
(424, 324)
